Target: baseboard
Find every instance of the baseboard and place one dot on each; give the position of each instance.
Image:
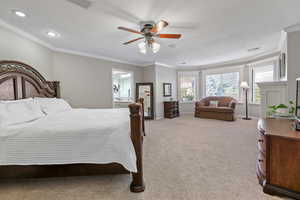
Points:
(187, 113)
(278, 191)
(158, 117)
(241, 116)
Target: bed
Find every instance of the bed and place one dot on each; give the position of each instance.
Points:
(110, 141)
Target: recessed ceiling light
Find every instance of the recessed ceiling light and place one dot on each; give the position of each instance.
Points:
(19, 13)
(52, 34)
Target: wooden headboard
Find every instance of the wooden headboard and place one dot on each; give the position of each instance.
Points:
(20, 81)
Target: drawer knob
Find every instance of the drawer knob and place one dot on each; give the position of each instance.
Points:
(260, 140)
(259, 160)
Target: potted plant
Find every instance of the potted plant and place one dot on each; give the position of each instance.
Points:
(282, 110)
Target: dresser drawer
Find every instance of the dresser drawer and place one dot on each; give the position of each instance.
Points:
(261, 163)
(278, 161)
(171, 109)
(261, 142)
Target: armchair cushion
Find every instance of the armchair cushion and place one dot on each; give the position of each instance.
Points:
(216, 109)
(214, 103)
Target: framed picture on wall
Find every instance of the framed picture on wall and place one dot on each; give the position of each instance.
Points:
(282, 66)
(167, 87)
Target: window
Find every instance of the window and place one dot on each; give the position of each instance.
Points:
(187, 86)
(260, 74)
(223, 84)
(122, 85)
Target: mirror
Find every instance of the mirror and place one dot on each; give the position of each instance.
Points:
(167, 89)
(145, 90)
(298, 99)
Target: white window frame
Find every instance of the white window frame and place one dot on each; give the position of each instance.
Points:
(272, 61)
(132, 94)
(223, 70)
(188, 73)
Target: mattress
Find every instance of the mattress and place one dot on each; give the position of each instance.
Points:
(94, 136)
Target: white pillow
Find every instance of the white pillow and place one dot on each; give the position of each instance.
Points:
(52, 105)
(13, 101)
(213, 103)
(19, 111)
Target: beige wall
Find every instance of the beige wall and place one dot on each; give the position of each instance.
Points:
(149, 74)
(87, 82)
(293, 61)
(158, 75)
(164, 75)
(16, 47)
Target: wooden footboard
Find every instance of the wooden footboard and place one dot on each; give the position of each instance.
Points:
(137, 135)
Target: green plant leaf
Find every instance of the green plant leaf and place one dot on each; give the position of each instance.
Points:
(281, 106)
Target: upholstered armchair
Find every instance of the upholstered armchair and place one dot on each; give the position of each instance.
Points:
(224, 110)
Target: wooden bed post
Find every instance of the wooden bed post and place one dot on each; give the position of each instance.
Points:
(137, 134)
(141, 101)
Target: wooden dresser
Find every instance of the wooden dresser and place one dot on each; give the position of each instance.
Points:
(171, 109)
(278, 162)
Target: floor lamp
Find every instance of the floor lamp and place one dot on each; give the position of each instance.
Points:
(245, 87)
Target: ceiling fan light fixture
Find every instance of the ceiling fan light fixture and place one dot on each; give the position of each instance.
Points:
(142, 47)
(155, 47)
(150, 31)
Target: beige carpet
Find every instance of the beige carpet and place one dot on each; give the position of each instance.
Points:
(185, 158)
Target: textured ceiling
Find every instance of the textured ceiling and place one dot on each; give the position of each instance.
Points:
(213, 31)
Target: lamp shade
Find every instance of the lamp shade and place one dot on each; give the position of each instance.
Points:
(244, 85)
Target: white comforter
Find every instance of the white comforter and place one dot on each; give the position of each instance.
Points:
(77, 136)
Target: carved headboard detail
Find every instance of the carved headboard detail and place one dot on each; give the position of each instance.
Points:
(20, 81)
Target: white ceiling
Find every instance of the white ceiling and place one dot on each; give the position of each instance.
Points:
(213, 31)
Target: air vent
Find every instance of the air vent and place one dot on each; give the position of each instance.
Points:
(172, 46)
(81, 3)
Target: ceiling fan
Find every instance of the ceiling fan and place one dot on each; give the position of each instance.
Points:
(149, 31)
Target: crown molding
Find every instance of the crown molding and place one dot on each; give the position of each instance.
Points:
(149, 65)
(61, 50)
(163, 65)
(242, 61)
(293, 28)
(78, 53)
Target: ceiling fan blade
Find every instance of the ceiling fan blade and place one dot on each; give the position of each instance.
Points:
(160, 25)
(133, 40)
(171, 36)
(128, 29)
